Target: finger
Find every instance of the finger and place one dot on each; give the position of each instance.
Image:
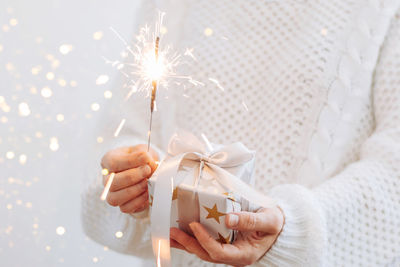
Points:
(225, 253)
(266, 220)
(145, 206)
(175, 244)
(130, 177)
(189, 243)
(122, 196)
(136, 204)
(121, 160)
(152, 152)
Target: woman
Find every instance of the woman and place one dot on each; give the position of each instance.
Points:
(314, 88)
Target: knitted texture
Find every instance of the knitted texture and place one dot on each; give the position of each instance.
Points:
(314, 88)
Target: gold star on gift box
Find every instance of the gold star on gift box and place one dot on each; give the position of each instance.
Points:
(175, 193)
(228, 194)
(214, 213)
(151, 200)
(224, 240)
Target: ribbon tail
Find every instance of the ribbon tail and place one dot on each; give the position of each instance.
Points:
(161, 210)
(160, 221)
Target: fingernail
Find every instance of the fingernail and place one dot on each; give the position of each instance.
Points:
(146, 169)
(233, 220)
(192, 225)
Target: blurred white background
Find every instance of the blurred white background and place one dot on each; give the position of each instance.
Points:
(50, 59)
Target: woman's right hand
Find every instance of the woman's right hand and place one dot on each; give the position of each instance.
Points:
(132, 167)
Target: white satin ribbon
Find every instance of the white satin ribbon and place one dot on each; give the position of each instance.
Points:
(185, 146)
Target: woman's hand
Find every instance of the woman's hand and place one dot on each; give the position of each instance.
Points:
(258, 232)
(132, 166)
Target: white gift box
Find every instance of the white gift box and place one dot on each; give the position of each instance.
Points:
(198, 192)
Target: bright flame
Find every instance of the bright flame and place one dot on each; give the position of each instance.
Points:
(143, 67)
(153, 69)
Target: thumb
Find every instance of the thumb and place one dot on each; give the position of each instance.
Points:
(265, 220)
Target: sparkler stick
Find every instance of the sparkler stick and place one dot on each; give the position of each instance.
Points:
(153, 93)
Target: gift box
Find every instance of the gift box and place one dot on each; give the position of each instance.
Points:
(201, 183)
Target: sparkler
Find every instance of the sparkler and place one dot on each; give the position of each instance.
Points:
(151, 68)
(153, 92)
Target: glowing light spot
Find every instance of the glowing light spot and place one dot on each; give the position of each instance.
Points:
(100, 139)
(49, 57)
(324, 31)
(60, 230)
(62, 82)
(1, 48)
(95, 259)
(10, 155)
(4, 119)
(35, 226)
(33, 90)
(97, 35)
(28, 205)
(38, 135)
(54, 146)
(10, 66)
(48, 248)
(163, 30)
(65, 49)
(23, 109)
(104, 172)
(107, 94)
(105, 248)
(22, 159)
(13, 22)
(6, 108)
(9, 206)
(102, 79)
(46, 92)
(55, 63)
(38, 40)
(60, 117)
(35, 70)
(208, 31)
(9, 229)
(6, 28)
(95, 106)
(18, 201)
(73, 83)
(50, 76)
(118, 234)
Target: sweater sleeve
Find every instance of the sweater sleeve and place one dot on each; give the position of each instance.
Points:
(352, 218)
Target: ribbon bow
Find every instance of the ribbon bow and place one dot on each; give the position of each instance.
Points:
(185, 146)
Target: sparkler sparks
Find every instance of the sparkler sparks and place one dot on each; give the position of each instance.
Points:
(116, 133)
(107, 187)
(152, 66)
(217, 83)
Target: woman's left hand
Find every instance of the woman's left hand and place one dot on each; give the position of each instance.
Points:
(257, 233)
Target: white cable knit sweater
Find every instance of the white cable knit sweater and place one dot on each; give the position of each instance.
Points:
(321, 82)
